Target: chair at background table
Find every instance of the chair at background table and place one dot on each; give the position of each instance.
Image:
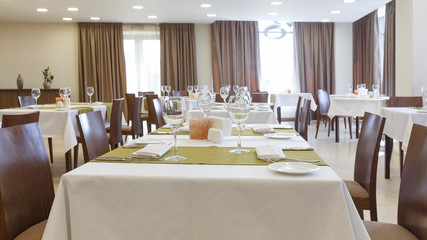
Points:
(364, 186)
(93, 135)
(26, 185)
(144, 115)
(158, 120)
(179, 93)
(298, 113)
(303, 117)
(260, 97)
(151, 111)
(115, 129)
(27, 101)
(144, 94)
(405, 102)
(412, 204)
(219, 99)
(135, 129)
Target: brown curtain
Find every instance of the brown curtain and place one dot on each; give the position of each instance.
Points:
(235, 54)
(389, 85)
(178, 55)
(102, 61)
(314, 56)
(366, 51)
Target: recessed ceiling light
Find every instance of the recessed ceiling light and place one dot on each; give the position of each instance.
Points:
(137, 7)
(95, 18)
(272, 13)
(152, 16)
(211, 15)
(72, 9)
(205, 5)
(41, 9)
(276, 3)
(67, 19)
(335, 12)
(325, 20)
(349, 1)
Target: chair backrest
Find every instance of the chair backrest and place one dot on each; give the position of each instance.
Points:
(179, 93)
(143, 94)
(19, 119)
(323, 101)
(159, 120)
(26, 185)
(151, 110)
(303, 123)
(260, 97)
(406, 101)
(26, 101)
(130, 97)
(116, 123)
(298, 113)
(136, 117)
(412, 206)
(366, 162)
(93, 135)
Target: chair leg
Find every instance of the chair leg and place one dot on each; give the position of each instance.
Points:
(148, 126)
(329, 127)
(349, 127)
(49, 141)
(360, 213)
(317, 127)
(401, 158)
(76, 155)
(345, 124)
(373, 211)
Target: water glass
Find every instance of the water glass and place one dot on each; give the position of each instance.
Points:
(35, 92)
(224, 91)
(168, 89)
(205, 102)
(238, 109)
(189, 90)
(90, 91)
(163, 89)
(174, 114)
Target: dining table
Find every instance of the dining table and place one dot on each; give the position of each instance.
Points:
(290, 100)
(213, 194)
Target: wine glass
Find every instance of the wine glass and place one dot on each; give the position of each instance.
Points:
(189, 90)
(174, 114)
(424, 93)
(375, 88)
(205, 102)
(196, 88)
(63, 93)
(90, 91)
(238, 109)
(68, 92)
(168, 89)
(224, 91)
(235, 88)
(35, 92)
(350, 88)
(163, 89)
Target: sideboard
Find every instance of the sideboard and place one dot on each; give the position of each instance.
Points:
(9, 97)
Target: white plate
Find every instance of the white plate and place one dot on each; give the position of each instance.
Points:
(280, 135)
(294, 168)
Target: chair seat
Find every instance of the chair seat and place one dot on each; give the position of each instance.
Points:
(381, 231)
(34, 232)
(144, 116)
(356, 190)
(126, 130)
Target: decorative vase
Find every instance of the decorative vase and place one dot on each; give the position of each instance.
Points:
(20, 82)
(46, 85)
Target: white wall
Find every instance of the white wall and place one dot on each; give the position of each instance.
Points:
(28, 48)
(343, 43)
(203, 53)
(419, 44)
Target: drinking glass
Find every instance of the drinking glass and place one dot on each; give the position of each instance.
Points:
(375, 88)
(68, 92)
(63, 93)
(90, 91)
(35, 92)
(168, 89)
(205, 102)
(189, 90)
(235, 88)
(238, 109)
(163, 89)
(174, 114)
(196, 88)
(224, 91)
(424, 93)
(350, 88)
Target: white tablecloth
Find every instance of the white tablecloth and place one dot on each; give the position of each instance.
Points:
(255, 116)
(399, 122)
(291, 99)
(57, 124)
(353, 106)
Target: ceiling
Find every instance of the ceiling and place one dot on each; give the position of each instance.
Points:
(184, 11)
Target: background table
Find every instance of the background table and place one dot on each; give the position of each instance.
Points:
(291, 100)
(255, 116)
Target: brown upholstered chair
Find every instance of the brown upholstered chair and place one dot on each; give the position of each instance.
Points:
(179, 93)
(405, 102)
(303, 119)
(26, 186)
(158, 120)
(144, 94)
(260, 97)
(151, 111)
(363, 188)
(135, 129)
(412, 204)
(298, 113)
(115, 128)
(93, 135)
(144, 116)
(19, 119)
(130, 97)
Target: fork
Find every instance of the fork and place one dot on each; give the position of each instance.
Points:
(267, 159)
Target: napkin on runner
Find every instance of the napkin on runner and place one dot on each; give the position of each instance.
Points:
(152, 151)
(269, 151)
(263, 129)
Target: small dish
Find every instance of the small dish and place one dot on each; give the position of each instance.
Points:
(280, 135)
(294, 168)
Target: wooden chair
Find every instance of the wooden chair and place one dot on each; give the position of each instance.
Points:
(151, 111)
(135, 129)
(144, 94)
(26, 185)
(130, 98)
(115, 129)
(159, 120)
(179, 93)
(298, 113)
(260, 97)
(412, 204)
(405, 102)
(363, 188)
(303, 119)
(144, 116)
(27, 101)
(93, 135)
(19, 119)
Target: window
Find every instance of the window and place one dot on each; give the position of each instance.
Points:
(277, 57)
(142, 56)
(381, 25)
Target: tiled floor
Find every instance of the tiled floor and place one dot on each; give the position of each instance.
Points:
(340, 156)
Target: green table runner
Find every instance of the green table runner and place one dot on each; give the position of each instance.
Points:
(80, 109)
(246, 132)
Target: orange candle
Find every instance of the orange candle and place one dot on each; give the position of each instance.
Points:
(59, 99)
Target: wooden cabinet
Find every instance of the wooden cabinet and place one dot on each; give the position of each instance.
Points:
(9, 97)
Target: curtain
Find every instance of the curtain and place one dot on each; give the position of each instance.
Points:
(235, 54)
(366, 51)
(101, 61)
(314, 56)
(142, 53)
(389, 85)
(178, 55)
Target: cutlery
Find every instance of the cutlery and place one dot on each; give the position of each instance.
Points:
(267, 159)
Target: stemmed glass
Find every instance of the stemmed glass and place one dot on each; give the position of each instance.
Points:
(168, 89)
(350, 88)
(63, 93)
(424, 93)
(90, 91)
(196, 88)
(238, 109)
(163, 89)
(205, 102)
(224, 91)
(68, 92)
(375, 88)
(189, 90)
(235, 88)
(174, 114)
(35, 92)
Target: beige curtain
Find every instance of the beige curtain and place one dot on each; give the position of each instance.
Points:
(366, 51)
(235, 54)
(314, 56)
(389, 85)
(178, 55)
(102, 61)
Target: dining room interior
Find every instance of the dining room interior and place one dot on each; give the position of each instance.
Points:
(162, 119)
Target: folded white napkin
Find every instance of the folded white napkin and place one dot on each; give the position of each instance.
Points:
(152, 151)
(215, 135)
(269, 151)
(146, 141)
(263, 129)
(184, 129)
(224, 124)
